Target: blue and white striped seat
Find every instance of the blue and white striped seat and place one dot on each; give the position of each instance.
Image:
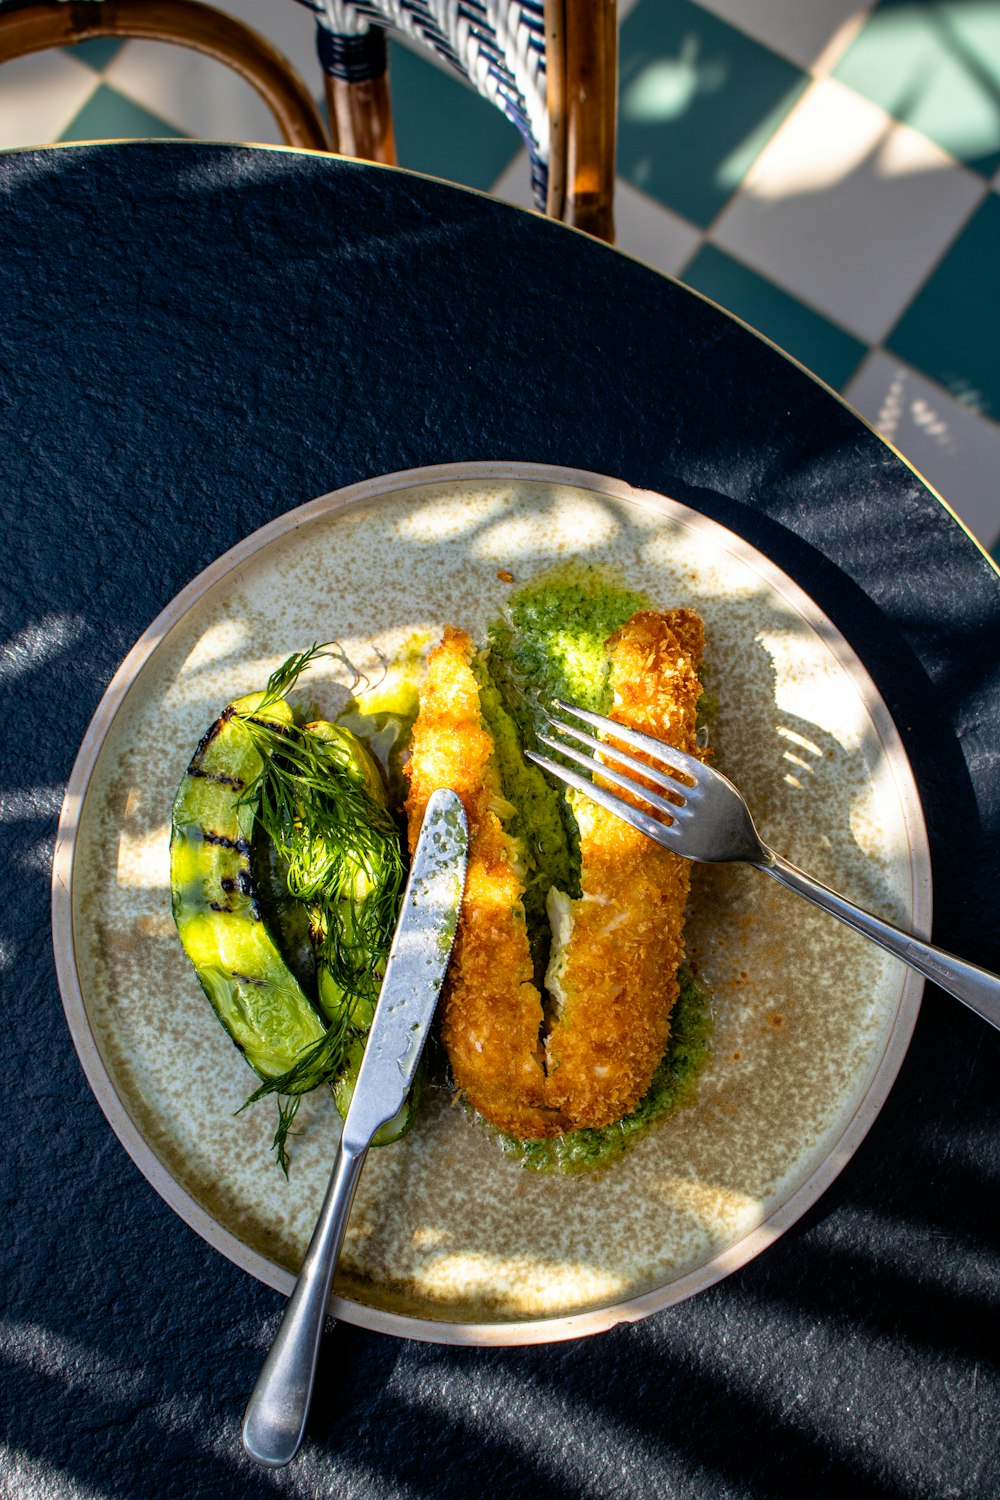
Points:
(548, 65)
(498, 45)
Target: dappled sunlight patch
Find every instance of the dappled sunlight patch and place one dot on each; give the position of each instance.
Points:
(144, 859)
(514, 1285)
(448, 515)
(666, 87)
(36, 859)
(729, 1212)
(879, 835)
(28, 1478)
(38, 644)
(73, 1364)
(570, 529)
(221, 642)
(705, 575)
(810, 687)
(30, 804)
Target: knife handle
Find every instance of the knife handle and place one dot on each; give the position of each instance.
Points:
(276, 1413)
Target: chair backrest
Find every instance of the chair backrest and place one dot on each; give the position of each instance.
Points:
(549, 65)
(35, 25)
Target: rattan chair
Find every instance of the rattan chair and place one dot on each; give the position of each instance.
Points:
(549, 65)
(39, 24)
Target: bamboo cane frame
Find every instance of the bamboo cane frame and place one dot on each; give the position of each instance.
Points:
(187, 23)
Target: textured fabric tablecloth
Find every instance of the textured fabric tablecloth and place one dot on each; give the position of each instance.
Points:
(193, 340)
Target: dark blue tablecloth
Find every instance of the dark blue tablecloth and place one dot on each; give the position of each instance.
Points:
(195, 339)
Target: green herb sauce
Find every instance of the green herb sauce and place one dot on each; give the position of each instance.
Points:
(672, 1086)
(548, 644)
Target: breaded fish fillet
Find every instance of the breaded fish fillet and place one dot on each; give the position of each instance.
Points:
(612, 977)
(613, 972)
(491, 1009)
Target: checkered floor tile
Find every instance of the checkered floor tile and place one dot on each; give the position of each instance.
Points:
(830, 172)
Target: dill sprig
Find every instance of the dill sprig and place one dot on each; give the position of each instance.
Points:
(287, 1110)
(284, 678)
(339, 848)
(318, 1064)
(341, 855)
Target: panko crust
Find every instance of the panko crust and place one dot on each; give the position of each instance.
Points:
(491, 1010)
(619, 980)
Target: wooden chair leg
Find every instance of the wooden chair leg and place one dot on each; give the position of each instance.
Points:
(34, 28)
(356, 74)
(361, 119)
(582, 72)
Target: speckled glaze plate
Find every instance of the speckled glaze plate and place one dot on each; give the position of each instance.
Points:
(449, 1240)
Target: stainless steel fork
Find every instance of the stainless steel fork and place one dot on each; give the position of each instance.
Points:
(711, 823)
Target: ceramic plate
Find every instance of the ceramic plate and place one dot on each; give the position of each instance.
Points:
(449, 1240)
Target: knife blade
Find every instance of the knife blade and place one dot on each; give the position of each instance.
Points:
(414, 971)
(276, 1414)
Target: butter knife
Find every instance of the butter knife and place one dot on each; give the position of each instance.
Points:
(276, 1414)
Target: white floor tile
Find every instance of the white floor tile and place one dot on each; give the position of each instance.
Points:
(290, 27)
(847, 209)
(192, 92)
(957, 451)
(807, 32)
(40, 95)
(645, 229)
(651, 232)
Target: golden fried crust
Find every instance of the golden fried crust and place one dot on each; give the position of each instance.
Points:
(619, 981)
(491, 1011)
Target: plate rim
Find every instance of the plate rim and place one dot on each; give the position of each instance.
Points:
(515, 1331)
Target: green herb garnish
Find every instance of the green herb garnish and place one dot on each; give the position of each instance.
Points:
(316, 800)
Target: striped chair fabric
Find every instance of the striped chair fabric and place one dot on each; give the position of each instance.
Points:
(498, 45)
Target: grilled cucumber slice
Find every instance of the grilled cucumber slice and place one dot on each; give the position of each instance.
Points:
(218, 913)
(292, 1045)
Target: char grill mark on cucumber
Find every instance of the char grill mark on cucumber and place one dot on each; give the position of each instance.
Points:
(317, 795)
(218, 914)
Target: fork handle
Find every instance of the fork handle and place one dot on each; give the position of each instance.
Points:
(977, 988)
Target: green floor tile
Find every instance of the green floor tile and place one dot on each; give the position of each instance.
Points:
(443, 127)
(935, 67)
(951, 331)
(98, 52)
(698, 102)
(823, 348)
(109, 116)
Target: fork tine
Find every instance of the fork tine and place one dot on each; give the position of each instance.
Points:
(667, 754)
(622, 757)
(672, 809)
(651, 827)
